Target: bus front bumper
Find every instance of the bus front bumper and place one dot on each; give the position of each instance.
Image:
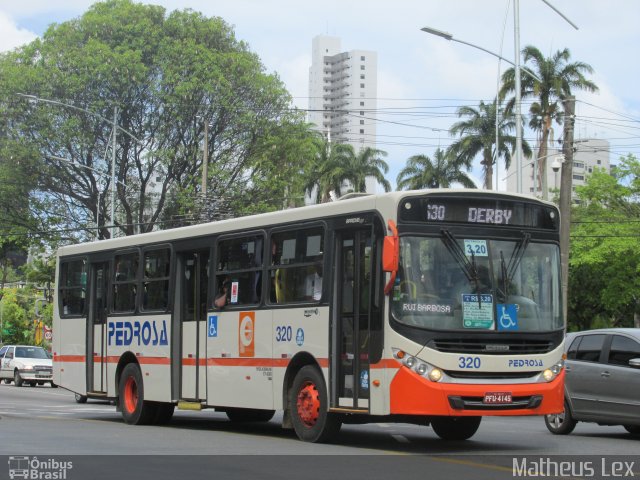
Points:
(412, 394)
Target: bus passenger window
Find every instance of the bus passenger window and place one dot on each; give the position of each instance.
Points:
(157, 264)
(296, 266)
(125, 286)
(239, 270)
(73, 284)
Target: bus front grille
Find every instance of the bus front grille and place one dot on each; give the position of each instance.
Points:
(492, 347)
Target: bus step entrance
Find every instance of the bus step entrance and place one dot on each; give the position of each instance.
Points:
(185, 405)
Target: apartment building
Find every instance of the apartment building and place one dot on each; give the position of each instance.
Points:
(342, 94)
(589, 154)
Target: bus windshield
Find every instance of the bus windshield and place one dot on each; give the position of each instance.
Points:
(478, 284)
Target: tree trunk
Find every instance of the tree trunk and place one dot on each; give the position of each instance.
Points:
(636, 319)
(488, 170)
(542, 158)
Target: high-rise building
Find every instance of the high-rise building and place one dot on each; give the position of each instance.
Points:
(342, 94)
(589, 154)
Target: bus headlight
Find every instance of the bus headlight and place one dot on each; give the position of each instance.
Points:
(550, 373)
(418, 366)
(435, 375)
(410, 361)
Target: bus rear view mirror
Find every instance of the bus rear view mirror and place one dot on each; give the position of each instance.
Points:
(390, 251)
(391, 256)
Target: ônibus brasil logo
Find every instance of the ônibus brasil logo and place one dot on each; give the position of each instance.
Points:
(36, 469)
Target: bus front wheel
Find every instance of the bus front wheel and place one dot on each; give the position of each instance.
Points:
(311, 419)
(135, 410)
(455, 428)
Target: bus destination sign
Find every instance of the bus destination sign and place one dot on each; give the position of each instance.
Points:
(499, 211)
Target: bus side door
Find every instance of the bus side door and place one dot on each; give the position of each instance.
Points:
(349, 365)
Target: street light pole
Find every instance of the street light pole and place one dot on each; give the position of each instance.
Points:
(516, 35)
(517, 68)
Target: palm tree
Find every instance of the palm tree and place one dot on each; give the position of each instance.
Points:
(478, 136)
(422, 172)
(328, 170)
(367, 163)
(558, 77)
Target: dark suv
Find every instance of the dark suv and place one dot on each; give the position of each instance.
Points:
(602, 380)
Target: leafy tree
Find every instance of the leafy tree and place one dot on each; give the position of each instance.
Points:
(441, 172)
(604, 265)
(478, 137)
(15, 324)
(164, 76)
(558, 78)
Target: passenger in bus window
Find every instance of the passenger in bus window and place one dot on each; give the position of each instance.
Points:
(224, 292)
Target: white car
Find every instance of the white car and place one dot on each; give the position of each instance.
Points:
(25, 364)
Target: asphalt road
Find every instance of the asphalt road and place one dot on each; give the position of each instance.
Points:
(47, 423)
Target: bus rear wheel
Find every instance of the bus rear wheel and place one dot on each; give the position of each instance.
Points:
(311, 419)
(455, 428)
(135, 410)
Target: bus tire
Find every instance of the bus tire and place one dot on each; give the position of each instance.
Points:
(17, 379)
(80, 398)
(560, 423)
(632, 429)
(164, 413)
(455, 428)
(135, 410)
(240, 415)
(311, 419)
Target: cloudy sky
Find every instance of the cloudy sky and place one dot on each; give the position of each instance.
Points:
(422, 79)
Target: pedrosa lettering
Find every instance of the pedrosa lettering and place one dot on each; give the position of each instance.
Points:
(489, 215)
(535, 362)
(126, 332)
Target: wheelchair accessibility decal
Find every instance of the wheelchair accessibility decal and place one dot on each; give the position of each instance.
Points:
(507, 316)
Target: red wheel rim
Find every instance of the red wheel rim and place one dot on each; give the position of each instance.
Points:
(308, 404)
(130, 395)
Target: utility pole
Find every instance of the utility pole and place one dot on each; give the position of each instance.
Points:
(566, 192)
(205, 161)
(205, 172)
(113, 173)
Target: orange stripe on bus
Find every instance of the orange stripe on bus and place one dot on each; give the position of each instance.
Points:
(217, 362)
(69, 358)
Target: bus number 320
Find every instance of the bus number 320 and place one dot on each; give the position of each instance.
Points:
(283, 334)
(468, 362)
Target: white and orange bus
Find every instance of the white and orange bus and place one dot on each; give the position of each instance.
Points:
(434, 307)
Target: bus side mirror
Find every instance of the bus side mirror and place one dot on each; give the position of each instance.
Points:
(391, 256)
(390, 250)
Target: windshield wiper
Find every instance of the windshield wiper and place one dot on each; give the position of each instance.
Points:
(516, 257)
(469, 268)
(505, 280)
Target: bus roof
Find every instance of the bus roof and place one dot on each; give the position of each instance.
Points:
(385, 202)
